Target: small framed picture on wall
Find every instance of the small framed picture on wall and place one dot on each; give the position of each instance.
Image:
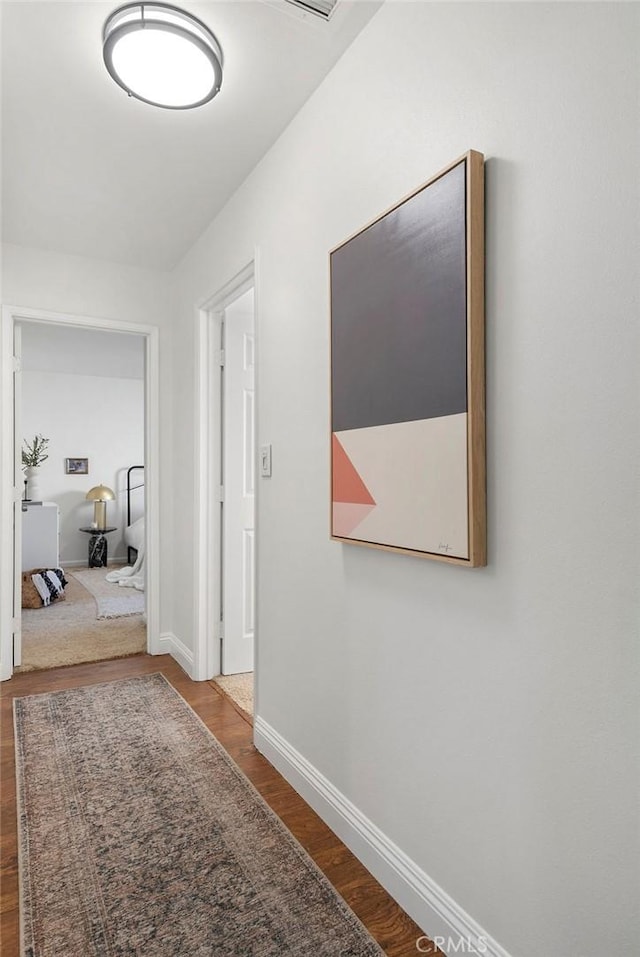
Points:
(76, 466)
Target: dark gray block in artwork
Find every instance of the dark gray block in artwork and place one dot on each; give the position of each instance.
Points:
(398, 313)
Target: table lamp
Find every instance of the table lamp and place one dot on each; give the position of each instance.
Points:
(100, 495)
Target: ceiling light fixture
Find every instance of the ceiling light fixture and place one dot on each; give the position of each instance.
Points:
(162, 55)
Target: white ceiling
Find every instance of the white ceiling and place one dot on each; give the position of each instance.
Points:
(88, 170)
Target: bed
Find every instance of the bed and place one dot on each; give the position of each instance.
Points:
(133, 574)
(134, 530)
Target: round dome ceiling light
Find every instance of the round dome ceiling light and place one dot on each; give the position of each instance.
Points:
(162, 55)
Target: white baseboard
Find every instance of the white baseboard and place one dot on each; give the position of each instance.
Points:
(441, 918)
(170, 644)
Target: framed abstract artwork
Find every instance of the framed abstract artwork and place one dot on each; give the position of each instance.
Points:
(407, 374)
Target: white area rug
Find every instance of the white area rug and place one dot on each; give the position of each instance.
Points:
(112, 601)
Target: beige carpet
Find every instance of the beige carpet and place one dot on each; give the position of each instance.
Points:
(239, 688)
(68, 633)
(139, 835)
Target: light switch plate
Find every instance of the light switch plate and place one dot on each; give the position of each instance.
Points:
(265, 461)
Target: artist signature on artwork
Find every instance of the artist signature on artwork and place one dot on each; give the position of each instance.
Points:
(443, 547)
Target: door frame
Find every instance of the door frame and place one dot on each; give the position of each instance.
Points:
(8, 573)
(207, 540)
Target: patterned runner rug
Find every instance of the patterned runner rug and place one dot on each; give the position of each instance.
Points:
(140, 837)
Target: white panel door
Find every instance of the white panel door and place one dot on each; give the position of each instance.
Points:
(238, 577)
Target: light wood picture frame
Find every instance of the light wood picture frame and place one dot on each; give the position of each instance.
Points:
(408, 459)
(76, 466)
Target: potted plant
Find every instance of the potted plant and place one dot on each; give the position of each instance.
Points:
(33, 455)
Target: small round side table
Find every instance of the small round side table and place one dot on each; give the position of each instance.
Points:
(97, 545)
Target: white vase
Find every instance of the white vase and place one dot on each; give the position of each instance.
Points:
(32, 473)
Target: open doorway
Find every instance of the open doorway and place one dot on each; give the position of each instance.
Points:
(80, 412)
(76, 465)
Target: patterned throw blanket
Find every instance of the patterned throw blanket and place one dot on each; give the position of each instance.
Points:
(49, 583)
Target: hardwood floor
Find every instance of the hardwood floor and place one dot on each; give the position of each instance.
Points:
(386, 921)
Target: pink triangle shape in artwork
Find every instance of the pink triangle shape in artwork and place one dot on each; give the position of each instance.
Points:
(347, 516)
(347, 485)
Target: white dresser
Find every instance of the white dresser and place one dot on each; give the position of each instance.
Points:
(40, 536)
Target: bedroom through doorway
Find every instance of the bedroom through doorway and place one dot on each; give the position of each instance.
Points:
(80, 552)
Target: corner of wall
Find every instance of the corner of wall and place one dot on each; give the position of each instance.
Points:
(170, 644)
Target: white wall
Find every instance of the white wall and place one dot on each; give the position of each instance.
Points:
(75, 285)
(483, 719)
(48, 347)
(80, 286)
(92, 417)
